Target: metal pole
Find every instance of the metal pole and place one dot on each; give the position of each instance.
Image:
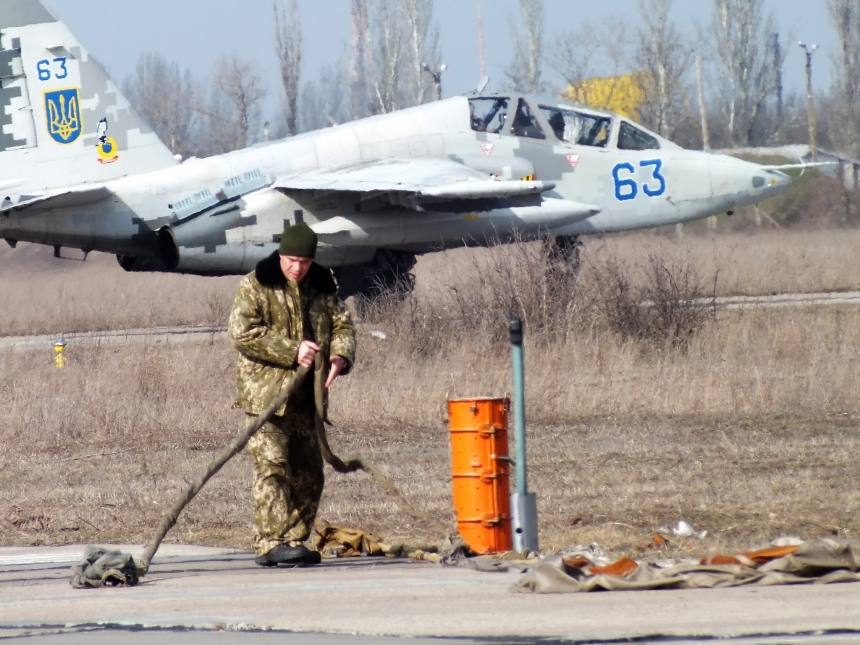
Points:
(523, 503)
(810, 100)
(519, 406)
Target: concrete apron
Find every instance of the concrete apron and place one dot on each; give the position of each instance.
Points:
(219, 589)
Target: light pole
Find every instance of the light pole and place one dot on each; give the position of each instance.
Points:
(437, 78)
(523, 503)
(810, 100)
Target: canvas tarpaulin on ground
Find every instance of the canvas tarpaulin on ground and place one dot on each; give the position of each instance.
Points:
(104, 568)
(820, 562)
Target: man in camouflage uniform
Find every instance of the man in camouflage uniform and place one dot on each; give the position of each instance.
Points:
(285, 312)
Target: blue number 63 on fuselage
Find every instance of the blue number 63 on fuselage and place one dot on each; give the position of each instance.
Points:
(626, 188)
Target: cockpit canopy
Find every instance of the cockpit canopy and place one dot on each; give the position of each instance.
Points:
(579, 128)
(542, 119)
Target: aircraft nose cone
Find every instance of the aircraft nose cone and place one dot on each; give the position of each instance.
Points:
(776, 182)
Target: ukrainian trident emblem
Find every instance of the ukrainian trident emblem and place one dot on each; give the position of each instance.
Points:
(63, 112)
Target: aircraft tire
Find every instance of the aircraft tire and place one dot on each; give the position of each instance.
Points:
(388, 275)
(564, 251)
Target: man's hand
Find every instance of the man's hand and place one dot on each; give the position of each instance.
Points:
(307, 352)
(337, 365)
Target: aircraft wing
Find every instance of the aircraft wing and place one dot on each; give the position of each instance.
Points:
(418, 180)
(811, 164)
(66, 198)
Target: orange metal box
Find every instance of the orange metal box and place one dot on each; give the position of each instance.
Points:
(481, 472)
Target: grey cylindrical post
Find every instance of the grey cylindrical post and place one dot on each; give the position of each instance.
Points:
(516, 328)
(523, 503)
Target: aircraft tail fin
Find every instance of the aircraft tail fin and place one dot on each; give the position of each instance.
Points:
(62, 120)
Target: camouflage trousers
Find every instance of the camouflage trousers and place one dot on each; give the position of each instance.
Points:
(288, 481)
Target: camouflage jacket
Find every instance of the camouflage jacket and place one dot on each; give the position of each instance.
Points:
(271, 317)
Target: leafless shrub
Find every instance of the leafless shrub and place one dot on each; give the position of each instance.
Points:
(669, 303)
(516, 280)
(216, 304)
(762, 412)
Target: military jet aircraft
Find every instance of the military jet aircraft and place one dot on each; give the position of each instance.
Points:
(79, 168)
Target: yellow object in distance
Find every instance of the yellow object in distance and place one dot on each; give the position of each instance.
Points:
(60, 354)
(623, 94)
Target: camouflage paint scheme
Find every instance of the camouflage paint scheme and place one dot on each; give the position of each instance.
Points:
(288, 481)
(409, 182)
(271, 316)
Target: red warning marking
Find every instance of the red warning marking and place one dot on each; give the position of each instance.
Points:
(573, 160)
(488, 147)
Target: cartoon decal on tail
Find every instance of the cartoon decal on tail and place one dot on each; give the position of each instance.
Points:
(106, 147)
(63, 113)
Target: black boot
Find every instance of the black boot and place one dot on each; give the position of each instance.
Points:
(289, 555)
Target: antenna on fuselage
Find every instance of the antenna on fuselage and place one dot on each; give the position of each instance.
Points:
(482, 85)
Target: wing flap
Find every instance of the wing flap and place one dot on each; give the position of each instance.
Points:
(68, 198)
(397, 228)
(423, 180)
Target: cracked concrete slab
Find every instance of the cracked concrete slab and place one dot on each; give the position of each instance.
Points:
(209, 591)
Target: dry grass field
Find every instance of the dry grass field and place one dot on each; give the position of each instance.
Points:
(39, 294)
(747, 426)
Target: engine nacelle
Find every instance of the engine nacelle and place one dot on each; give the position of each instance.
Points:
(232, 237)
(227, 238)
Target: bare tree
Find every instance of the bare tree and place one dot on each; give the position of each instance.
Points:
(397, 38)
(524, 72)
(288, 41)
(664, 58)
(233, 109)
(843, 122)
(323, 101)
(572, 54)
(845, 16)
(384, 37)
(166, 99)
(360, 39)
(575, 55)
(744, 49)
(423, 49)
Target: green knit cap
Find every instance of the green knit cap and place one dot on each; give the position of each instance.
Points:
(300, 241)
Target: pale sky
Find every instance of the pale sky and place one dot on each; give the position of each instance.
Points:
(194, 33)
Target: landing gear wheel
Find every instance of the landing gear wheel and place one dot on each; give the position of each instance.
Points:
(564, 252)
(395, 272)
(388, 275)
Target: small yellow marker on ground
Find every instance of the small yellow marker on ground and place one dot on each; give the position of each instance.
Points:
(60, 353)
